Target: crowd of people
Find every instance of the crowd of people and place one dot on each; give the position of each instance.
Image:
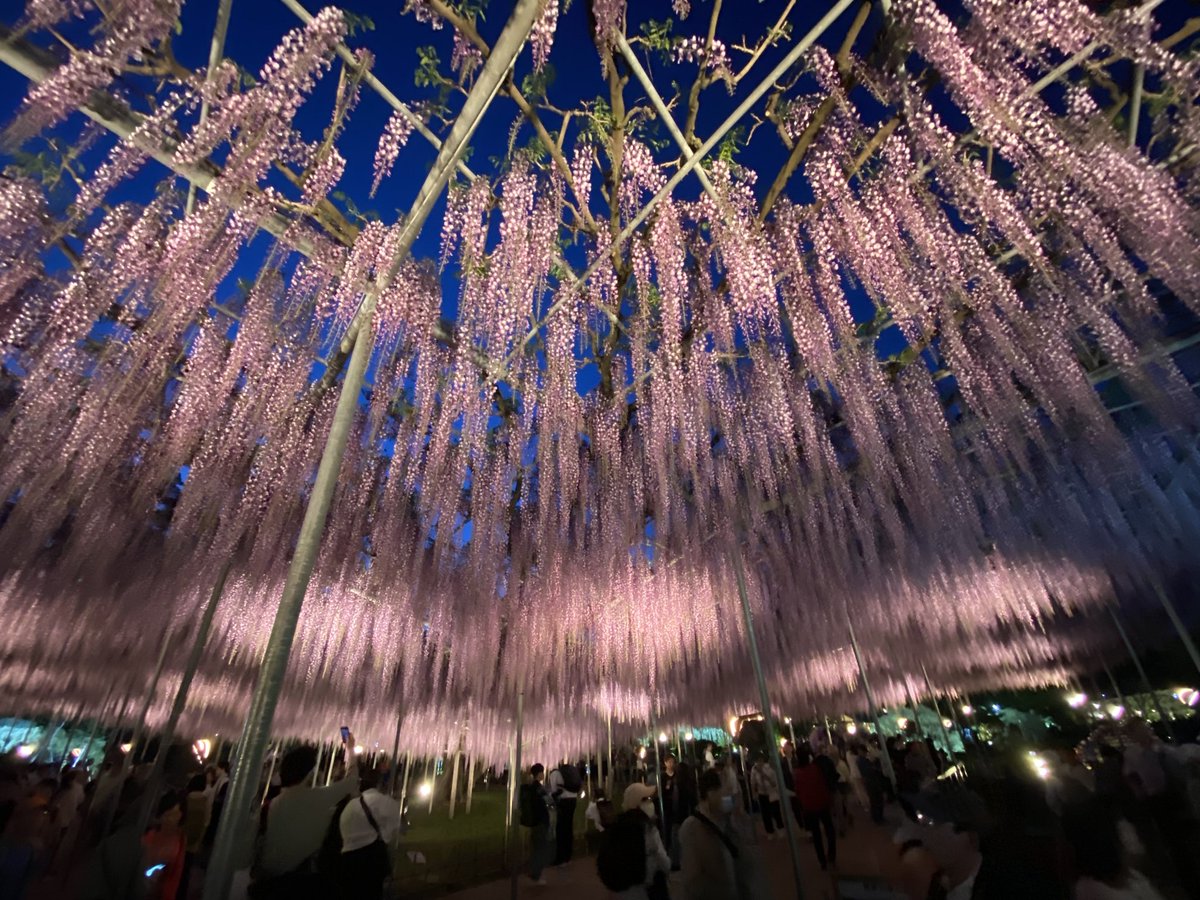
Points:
(122, 834)
(1117, 818)
(1005, 822)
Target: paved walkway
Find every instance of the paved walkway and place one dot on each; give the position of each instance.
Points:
(865, 852)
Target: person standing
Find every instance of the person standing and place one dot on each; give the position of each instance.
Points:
(598, 816)
(164, 847)
(534, 807)
(565, 785)
(766, 789)
(816, 805)
(368, 826)
(217, 793)
(297, 820)
(195, 825)
(633, 863)
(710, 847)
(679, 799)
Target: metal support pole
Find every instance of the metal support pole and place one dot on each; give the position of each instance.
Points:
(454, 783)
(885, 757)
(470, 782)
(910, 698)
(1180, 629)
(139, 726)
(404, 787)
(167, 736)
(87, 748)
(1137, 661)
(765, 699)
(270, 773)
(216, 50)
(609, 776)
(1112, 679)
(938, 712)
(317, 764)
(1135, 102)
(657, 745)
(395, 758)
(235, 822)
(332, 763)
(514, 778)
(953, 707)
(432, 782)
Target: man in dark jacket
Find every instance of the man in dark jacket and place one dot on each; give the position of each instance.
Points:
(535, 815)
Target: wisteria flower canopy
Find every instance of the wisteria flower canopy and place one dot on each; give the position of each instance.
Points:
(927, 375)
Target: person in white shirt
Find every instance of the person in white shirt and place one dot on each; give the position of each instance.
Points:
(766, 790)
(297, 820)
(368, 824)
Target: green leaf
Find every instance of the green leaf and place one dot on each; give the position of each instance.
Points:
(428, 73)
(657, 34)
(535, 85)
(356, 23)
(731, 144)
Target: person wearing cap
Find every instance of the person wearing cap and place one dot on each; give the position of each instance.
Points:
(639, 811)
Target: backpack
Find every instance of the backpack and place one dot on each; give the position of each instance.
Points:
(527, 806)
(571, 779)
(621, 863)
(329, 857)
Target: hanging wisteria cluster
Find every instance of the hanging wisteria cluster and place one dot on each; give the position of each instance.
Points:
(495, 529)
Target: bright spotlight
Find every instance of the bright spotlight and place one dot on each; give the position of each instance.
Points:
(1076, 700)
(1040, 766)
(642, 753)
(689, 737)
(358, 749)
(968, 709)
(202, 748)
(902, 723)
(851, 728)
(424, 790)
(946, 723)
(662, 737)
(125, 748)
(1116, 712)
(733, 720)
(24, 751)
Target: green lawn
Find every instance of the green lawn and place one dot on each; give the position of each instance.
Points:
(462, 851)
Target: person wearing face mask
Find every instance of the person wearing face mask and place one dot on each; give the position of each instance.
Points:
(710, 847)
(633, 863)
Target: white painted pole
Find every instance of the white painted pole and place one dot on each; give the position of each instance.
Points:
(235, 822)
(789, 821)
(470, 782)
